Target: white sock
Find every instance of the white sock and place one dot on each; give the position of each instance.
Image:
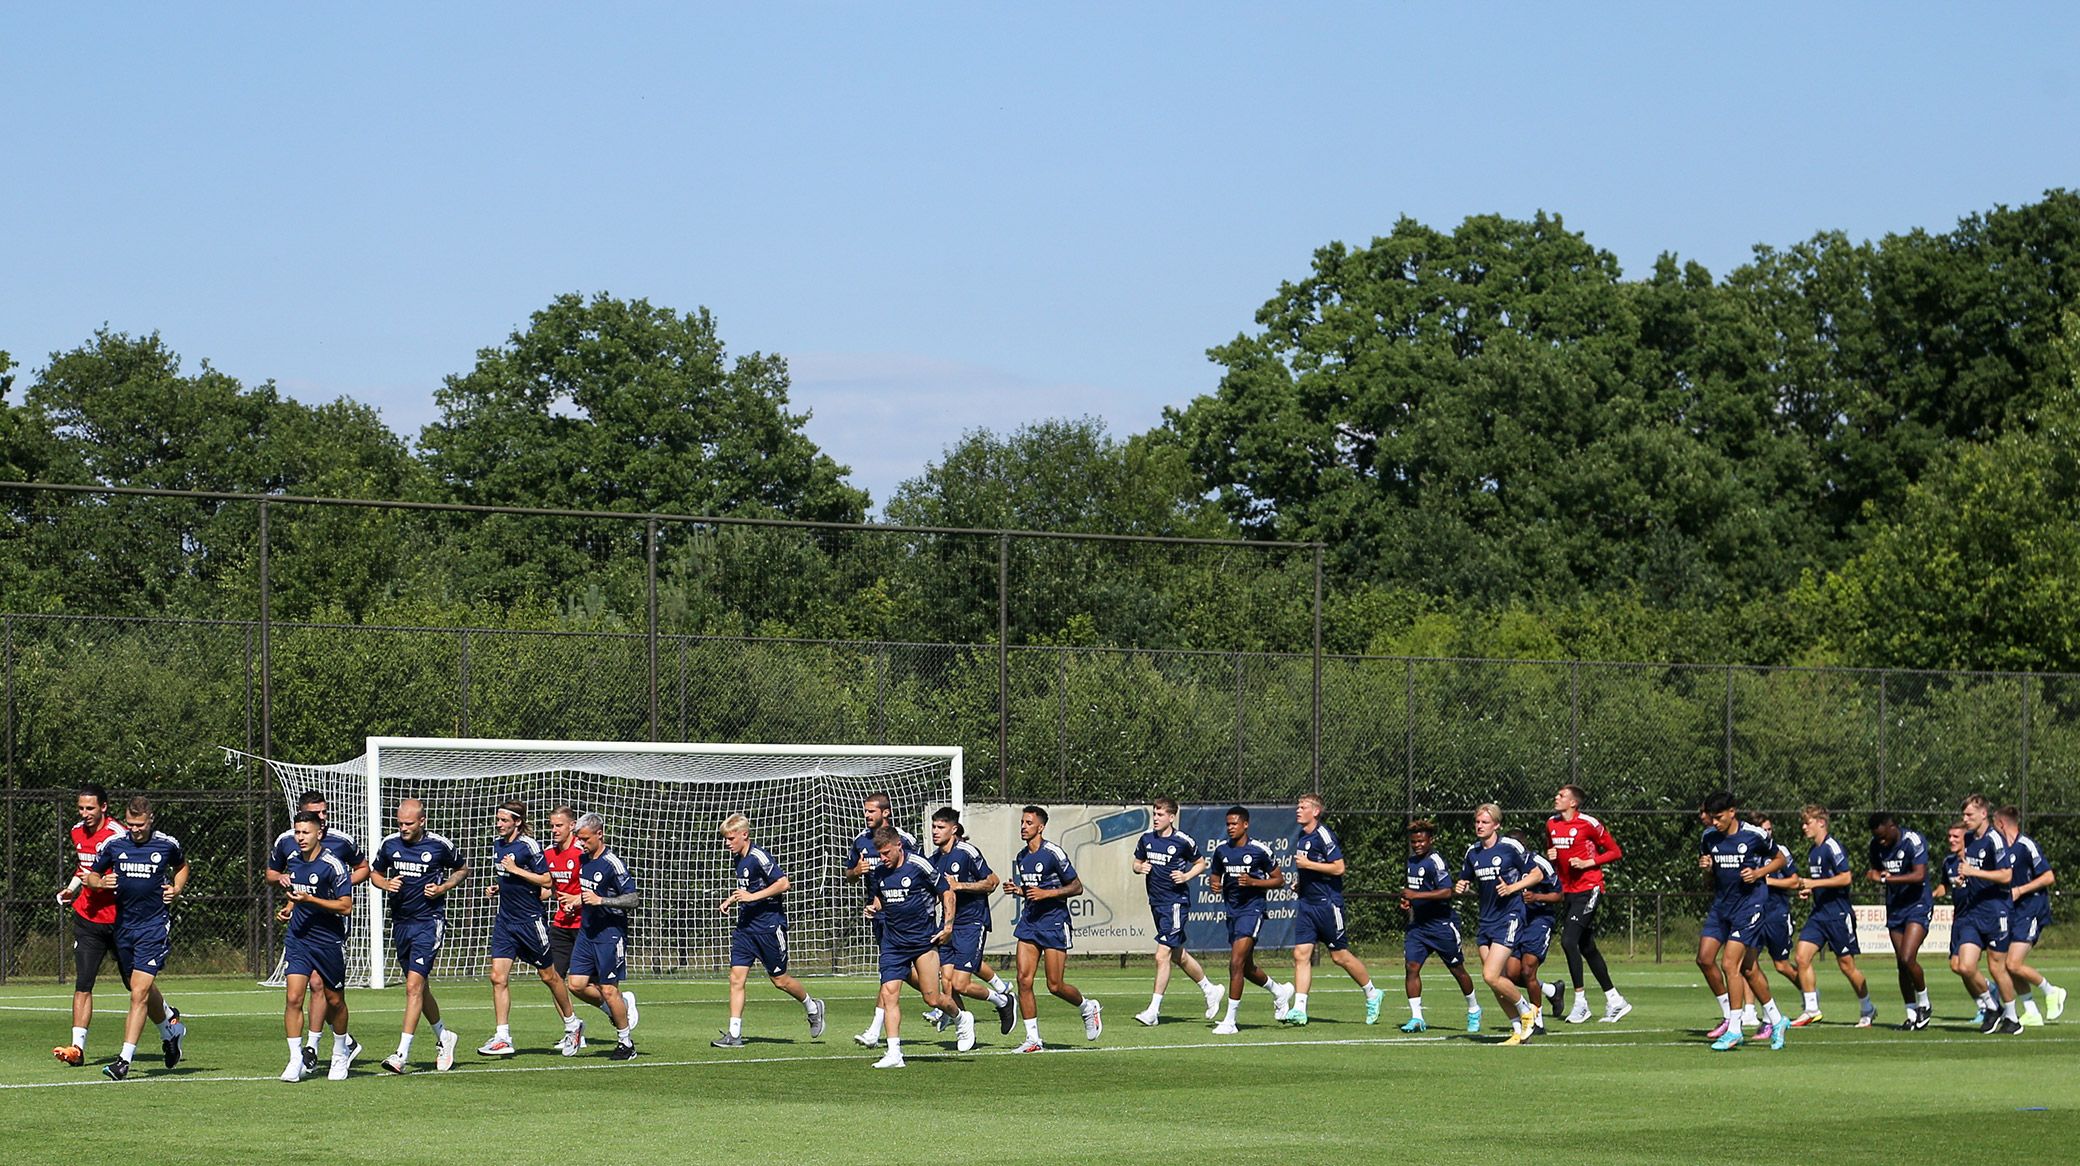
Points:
(1415, 1007)
(1155, 1002)
(129, 1051)
(503, 1033)
(1206, 984)
(997, 985)
(1921, 999)
(1610, 994)
(736, 1026)
(2008, 1009)
(1473, 1002)
(1769, 1010)
(2029, 1005)
(1864, 1005)
(440, 1031)
(880, 1018)
(1748, 1014)
(895, 1046)
(621, 1034)
(404, 1045)
(571, 1023)
(1300, 1001)
(2021, 992)
(1234, 1006)
(341, 1041)
(1032, 1029)
(79, 1039)
(295, 1050)
(808, 1004)
(1725, 1006)
(1368, 988)
(1277, 989)
(998, 999)
(1812, 1002)
(310, 1039)
(1526, 1009)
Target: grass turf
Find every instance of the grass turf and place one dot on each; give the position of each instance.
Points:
(1643, 1090)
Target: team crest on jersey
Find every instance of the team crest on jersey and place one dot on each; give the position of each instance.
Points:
(1741, 849)
(906, 881)
(426, 856)
(156, 857)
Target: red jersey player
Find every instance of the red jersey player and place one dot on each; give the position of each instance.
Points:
(94, 918)
(1580, 848)
(565, 857)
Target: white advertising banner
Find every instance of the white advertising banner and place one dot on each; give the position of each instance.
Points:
(1112, 913)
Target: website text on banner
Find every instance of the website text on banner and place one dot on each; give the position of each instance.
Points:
(1111, 916)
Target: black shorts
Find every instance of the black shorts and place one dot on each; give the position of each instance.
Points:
(561, 941)
(1579, 909)
(92, 944)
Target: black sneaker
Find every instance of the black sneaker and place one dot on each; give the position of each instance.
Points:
(1007, 1014)
(2007, 1026)
(116, 1070)
(310, 1058)
(171, 1046)
(1908, 1024)
(623, 1052)
(1921, 1018)
(1991, 1022)
(725, 1041)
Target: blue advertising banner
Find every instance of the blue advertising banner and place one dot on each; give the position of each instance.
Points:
(1206, 929)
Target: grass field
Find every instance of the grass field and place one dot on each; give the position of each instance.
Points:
(1643, 1090)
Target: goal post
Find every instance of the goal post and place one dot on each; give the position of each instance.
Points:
(662, 803)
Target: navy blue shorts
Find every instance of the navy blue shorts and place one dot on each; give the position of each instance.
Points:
(1320, 923)
(962, 950)
(1502, 929)
(1439, 937)
(1987, 931)
(1046, 936)
(1245, 923)
(1738, 921)
(418, 944)
(1775, 936)
(896, 961)
(1535, 938)
(2027, 926)
(601, 958)
(528, 941)
(1917, 913)
(761, 947)
(324, 960)
(143, 949)
(1169, 919)
(1831, 929)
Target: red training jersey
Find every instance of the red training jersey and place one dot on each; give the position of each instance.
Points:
(563, 867)
(93, 904)
(1581, 837)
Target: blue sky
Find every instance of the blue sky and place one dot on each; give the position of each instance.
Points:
(945, 216)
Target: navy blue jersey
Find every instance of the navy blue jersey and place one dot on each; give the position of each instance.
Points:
(1955, 882)
(1744, 848)
(1987, 853)
(420, 864)
(1429, 873)
(1319, 845)
(909, 896)
(1046, 868)
(1548, 884)
(1231, 862)
(2030, 864)
(1897, 859)
(324, 877)
(519, 901)
(756, 870)
(1489, 867)
(142, 869)
(609, 878)
(337, 842)
(1780, 897)
(1164, 853)
(963, 863)
(1826, 860)
(864, 850)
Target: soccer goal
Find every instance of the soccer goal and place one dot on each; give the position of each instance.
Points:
(662, 804)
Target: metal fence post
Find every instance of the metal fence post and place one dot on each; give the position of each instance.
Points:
(650, 622)
(266, 642)
(462, 684)
(1315, 718)
(1003, 666)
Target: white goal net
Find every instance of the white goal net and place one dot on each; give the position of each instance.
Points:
(662, 804)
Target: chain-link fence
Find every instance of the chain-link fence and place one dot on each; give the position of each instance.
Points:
(139, 633)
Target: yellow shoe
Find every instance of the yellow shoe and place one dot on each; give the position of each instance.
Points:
(1516, 1033)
